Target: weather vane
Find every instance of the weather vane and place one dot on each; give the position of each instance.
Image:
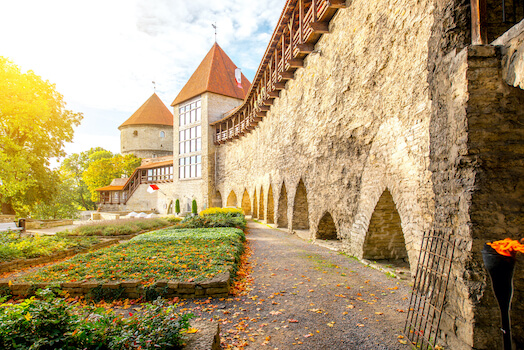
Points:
(215, 26)
(154, 86)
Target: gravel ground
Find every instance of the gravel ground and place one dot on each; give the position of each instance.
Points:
(304, 296)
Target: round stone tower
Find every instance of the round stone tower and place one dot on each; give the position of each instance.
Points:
(148, 133)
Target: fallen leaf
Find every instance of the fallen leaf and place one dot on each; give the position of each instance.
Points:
(292, 320)
(191, 330)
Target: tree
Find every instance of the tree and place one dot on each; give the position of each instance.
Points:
(194, 208)
(61, 206)
(177, 207)
(34, 126)
(73, 167)
(101, 172)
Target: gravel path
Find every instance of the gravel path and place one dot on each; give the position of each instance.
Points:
(304, 296)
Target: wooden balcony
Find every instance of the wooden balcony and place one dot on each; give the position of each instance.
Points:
(301, 24)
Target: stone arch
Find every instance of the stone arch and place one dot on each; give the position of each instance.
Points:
(169, 207)
(232, 199)
(261, 211)
(300, 208)
(326, 227)
(385, 239)
(255, 205)
(216, 201)
(270, 206)
(390, 165)
(246, 203)
(282, 207)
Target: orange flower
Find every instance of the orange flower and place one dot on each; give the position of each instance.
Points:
(507, 247)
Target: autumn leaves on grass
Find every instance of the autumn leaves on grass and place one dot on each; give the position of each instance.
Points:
(185, 255)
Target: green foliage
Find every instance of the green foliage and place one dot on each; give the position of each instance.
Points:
(34, 126)
(72, 169)
(227, 219)
(102, 171)
(61, 206)
(51, 323)
(216, 210)
(121, 227)
(13, 247)
(164, 254)
(194, 208)
(177, 206)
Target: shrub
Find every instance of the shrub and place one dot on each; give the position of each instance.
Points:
(177, 207)
(216, 210)
(52, 323)
(194, 208)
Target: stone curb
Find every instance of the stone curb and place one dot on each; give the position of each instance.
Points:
(217, 287)
(22, 263)
(207, 337)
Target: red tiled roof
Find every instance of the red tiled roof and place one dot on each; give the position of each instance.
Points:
(156, 165)
(153, 111)
(110, 188)
(216, 73)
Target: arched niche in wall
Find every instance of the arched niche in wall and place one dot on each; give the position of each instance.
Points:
(246, 203)
(282, 207)
(300, 208)
(261, 210)
(385, 239)
(326, 227)
(270, 206)
(232, 199)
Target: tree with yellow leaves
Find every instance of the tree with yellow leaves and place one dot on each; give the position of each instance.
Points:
(34, 126)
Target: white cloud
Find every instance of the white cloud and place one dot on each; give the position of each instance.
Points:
(104, 54)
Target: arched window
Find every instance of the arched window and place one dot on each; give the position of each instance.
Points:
(162, 134)
(135, 133)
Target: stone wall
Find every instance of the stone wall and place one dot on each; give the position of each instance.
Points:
(353, 122)
(391, 102)
(144, 141)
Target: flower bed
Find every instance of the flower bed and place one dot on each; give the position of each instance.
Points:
(13, 247)
(193, 262)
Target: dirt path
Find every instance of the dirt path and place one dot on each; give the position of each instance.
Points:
(308, 297)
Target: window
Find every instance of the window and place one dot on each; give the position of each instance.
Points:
(190, 113)
(160, 174)
(190, 140)
(190, 167)
(135, 133)
(162, 134)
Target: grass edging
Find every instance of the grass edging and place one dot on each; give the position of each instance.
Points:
(217, 287)
(14, 265)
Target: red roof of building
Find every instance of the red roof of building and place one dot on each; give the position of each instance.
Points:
(216, 73)
(153, 111)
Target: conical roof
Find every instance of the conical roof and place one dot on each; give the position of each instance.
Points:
(216, 73)
(153, 111)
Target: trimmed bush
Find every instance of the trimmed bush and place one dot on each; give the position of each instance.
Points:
(177, 207)
(214, 220)
(216, 210)
(194, 208)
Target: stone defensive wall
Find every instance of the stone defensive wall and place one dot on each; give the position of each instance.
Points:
(395, 127)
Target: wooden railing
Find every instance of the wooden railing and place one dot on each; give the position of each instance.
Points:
(507, 14)
(300, 26)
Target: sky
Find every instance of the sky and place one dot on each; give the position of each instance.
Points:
(103, 55)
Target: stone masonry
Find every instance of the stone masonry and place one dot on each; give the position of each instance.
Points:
(396, 127)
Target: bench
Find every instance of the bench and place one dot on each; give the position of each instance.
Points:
(10, 226)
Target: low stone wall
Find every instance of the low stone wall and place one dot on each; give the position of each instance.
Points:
(23, 263)
(38, 224)
(7, 218)
(217, 287)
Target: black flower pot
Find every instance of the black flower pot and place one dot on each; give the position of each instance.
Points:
(500, 268)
